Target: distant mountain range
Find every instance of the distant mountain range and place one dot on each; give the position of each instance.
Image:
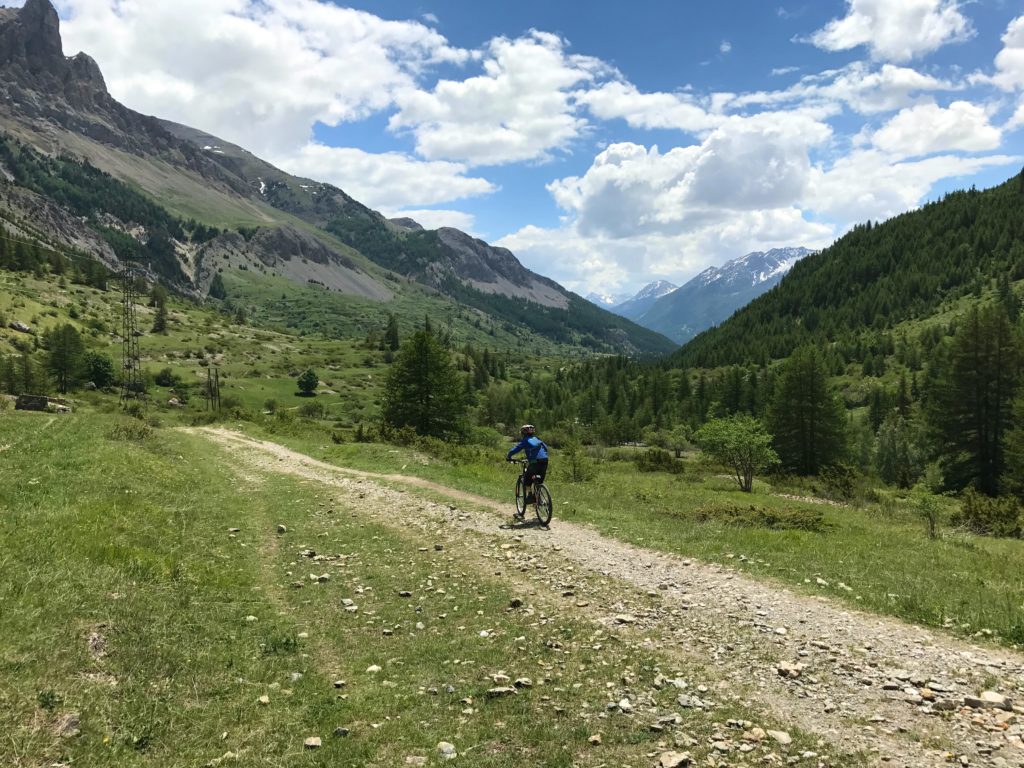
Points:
(85, 173)
(709, 298)
(636, 307)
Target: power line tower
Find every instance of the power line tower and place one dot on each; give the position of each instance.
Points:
(131, 368)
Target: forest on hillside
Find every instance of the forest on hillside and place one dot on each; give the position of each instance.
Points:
(876, 277)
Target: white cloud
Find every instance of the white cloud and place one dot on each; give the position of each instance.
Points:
(434, 218)
(928, 128)
(1010, 60)
(745, 164)
(895, 30)
(867, 184)
(586, 263)
(389, 181)
(430, 18)
(725, 47)
(1017, 121)
(861, 87)
(778, 71)
(621, 100)
(259, 73)
(519, 110)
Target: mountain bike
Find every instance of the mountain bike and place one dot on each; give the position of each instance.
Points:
(541, 503)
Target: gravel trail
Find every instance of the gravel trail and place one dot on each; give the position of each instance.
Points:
(902, 694)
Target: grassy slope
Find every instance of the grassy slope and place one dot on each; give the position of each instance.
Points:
(148, 570)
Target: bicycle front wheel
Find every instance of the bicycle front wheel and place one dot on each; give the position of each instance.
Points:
(543, 504)
(520, 497)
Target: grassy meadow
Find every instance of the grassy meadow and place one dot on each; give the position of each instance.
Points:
(138, 629)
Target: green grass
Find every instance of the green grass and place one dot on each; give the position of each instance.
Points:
(124, 600)
(876, 557)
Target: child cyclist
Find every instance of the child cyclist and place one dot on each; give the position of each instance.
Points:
(537, 456)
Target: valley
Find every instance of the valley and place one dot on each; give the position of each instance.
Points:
(255, 507)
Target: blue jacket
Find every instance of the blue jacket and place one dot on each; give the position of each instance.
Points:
(534, 447)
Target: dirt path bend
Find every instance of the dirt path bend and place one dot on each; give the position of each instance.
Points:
(903, 694)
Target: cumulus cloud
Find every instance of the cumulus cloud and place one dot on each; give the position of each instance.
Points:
(591, 262)
(519, 109)
(753, 163)
(389, 181)
(622, 100)
(1017, 121)
(867, 184)
(928, 129)
(1010, 60)
(259, 73)
(895, 30)
(725, 46)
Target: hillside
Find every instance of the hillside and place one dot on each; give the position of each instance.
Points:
(877, 276)
(82, 172)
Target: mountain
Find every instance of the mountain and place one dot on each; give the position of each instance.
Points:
(84, 172)
(879, 275)
(603, 300)
(717, 292)
(634, 308)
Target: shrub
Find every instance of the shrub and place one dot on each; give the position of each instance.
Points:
(788, 519)
(314, 410)
(270, 405)
(131, 431)
(989, 516)
(165, 378)
(840, 481)
(740, 443)
(657, 460)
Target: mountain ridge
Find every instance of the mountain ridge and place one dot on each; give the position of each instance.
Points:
(716, 293)
(59, 107)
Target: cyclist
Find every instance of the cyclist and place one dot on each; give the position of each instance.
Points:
(537, 456)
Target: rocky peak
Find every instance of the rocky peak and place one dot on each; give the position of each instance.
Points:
(86, 72)
(34, 37)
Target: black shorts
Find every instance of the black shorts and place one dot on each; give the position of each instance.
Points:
(536, 471)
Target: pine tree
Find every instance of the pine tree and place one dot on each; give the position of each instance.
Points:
(64, 356)
(423, 390)
(969, 407)
(391, 340)
(160, 319)
(806, 417)
(1013, 447)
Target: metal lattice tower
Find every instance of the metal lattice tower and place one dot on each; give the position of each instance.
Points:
(131, 369)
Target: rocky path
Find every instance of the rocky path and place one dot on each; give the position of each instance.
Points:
(901, 694)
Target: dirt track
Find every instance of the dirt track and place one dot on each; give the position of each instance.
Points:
(863, 683)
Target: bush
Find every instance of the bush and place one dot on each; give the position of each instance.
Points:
(131, 431)
(578, 466)
(270, 405)
(789, 519)
(314, 410)
(987, 516)
(840, 481)
(165, 378)
(657, 460)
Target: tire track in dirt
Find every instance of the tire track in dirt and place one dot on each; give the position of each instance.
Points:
(864, 683)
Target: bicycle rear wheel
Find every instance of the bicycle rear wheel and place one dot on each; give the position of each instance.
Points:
(520, 497)
(543, 504)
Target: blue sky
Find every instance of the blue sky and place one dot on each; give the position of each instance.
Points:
(606, 144)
